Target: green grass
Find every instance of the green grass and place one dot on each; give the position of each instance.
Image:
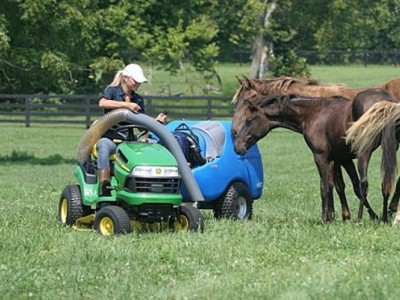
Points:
(161, 83)
(355, 75)
(283, 253)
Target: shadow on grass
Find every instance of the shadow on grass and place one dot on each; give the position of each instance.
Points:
(18, 157)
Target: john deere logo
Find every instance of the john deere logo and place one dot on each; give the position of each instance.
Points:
(158, 171)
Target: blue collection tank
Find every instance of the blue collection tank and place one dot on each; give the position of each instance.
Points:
(223, 166)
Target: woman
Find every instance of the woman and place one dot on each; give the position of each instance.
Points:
(121, 93)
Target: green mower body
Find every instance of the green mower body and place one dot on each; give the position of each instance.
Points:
(144, 190)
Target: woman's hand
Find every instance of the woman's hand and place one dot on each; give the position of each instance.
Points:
(162, 118)
(133, 106)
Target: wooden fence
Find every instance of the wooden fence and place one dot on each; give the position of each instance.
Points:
(83, 109)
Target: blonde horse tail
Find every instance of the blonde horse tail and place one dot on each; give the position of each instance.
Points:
(363, 134)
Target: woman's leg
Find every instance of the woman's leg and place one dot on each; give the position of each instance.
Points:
(105, 148)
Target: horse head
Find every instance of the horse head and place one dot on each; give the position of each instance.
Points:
(250, 123)
(254, 118)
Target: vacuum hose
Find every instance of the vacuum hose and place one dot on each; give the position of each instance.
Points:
(94, 133)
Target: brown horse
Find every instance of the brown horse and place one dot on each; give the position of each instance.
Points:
(365, 133)
(323, 123)
(307, 87)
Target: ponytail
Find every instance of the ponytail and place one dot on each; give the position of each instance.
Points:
(117, 81)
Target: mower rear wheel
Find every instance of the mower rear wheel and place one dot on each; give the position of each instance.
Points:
(189, 219)
(237, 203)
(111, 220)
(70, 207)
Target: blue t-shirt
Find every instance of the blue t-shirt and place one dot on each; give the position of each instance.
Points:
(117, 93)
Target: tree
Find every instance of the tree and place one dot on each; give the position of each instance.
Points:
(360, 24)
(262, 46)
(69, 46)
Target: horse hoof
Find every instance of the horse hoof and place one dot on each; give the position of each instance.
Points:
(396, 221)
(373, 216)
(346, 217)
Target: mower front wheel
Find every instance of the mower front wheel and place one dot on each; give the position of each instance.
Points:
(189, 219)
(111, 220)
(70, 207)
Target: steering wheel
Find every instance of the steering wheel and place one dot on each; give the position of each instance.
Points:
(121, 131)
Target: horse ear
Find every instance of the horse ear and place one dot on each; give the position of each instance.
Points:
(240, 80)
(248, 83)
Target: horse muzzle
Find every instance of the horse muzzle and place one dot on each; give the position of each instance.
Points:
(240, 148)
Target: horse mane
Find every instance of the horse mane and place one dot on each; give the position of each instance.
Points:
(283, 83)
(286, 100)
(282, 100)
(273, 84)
(276, 85)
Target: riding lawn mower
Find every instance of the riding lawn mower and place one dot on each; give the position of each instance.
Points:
(145, 182)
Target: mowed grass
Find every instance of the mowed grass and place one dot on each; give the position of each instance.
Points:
(161, 82)
(284, 252)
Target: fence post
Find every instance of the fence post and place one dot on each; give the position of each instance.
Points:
(209, 109)
(87, 111)
(27, 111)
(149, 107)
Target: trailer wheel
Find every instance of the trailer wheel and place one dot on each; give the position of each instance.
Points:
(189, 219)
(111, 220)
(70, 207)
(237, 203)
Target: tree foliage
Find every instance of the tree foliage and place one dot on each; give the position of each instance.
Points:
(70, 46)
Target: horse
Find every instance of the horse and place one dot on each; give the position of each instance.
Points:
(365, 133)
(323, 121)
(309, 87)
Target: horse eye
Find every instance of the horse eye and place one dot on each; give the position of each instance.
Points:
(234, 132)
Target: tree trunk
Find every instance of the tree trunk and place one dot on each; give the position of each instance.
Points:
(260, 49)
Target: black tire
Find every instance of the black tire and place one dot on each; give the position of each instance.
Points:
(237, 203)
(70, 207)
(189, 219)
(111, 220)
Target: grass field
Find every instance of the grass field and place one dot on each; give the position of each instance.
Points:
(283, 253)
(353, 75)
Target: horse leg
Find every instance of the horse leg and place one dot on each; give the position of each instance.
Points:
(395, 199)
(386, 189)
(355, 181)
(396, 196)
(363, 162)
(340, 189)
(388, 165)
(396, 221)
(385, 195)
(324, 169)
(331, 183)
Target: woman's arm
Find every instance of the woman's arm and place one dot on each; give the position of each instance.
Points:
(112, 104)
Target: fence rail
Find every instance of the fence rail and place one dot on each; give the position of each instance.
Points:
(83, 109)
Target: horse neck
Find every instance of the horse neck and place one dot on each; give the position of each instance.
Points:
(291, 116)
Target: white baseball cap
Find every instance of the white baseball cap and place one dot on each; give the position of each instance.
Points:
(135, 71)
